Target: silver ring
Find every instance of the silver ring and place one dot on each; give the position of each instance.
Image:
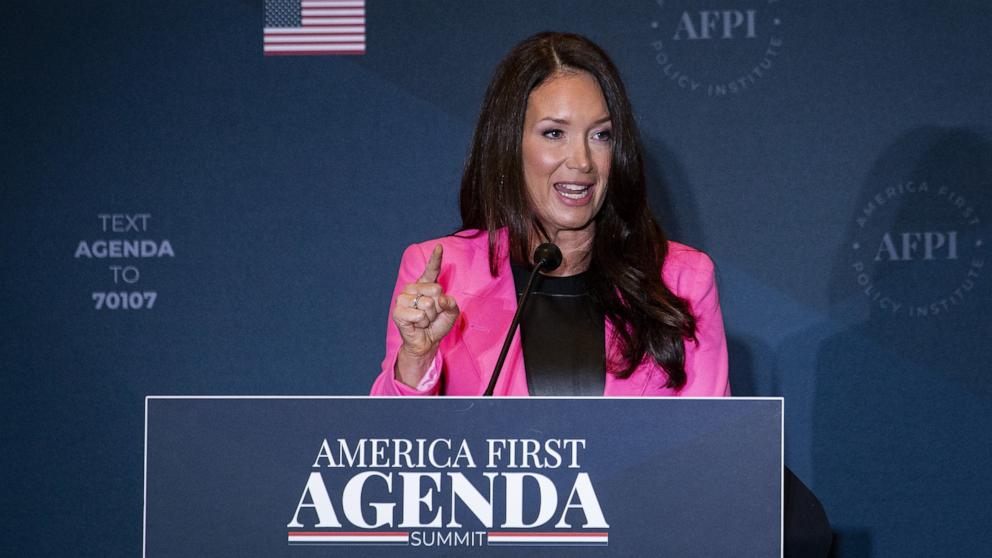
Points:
(416, 301)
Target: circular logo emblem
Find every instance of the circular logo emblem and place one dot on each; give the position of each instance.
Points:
(918, 251)
(716, 49)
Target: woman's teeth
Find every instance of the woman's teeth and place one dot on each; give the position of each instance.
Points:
(573, 191)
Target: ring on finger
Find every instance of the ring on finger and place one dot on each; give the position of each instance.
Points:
(416, 301)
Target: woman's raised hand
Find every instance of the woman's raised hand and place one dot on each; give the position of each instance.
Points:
(424, 315)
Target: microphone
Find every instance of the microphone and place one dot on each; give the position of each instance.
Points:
(547, 257)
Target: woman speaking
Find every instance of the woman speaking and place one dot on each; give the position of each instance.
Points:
(555, 158)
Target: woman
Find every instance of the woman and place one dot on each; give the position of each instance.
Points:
(555, 157)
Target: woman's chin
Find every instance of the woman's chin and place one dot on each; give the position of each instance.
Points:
(569, 226)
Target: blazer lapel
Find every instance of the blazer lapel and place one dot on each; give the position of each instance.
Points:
(487, 305)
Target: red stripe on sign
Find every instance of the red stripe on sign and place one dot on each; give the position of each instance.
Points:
(348, 533)
(578, 535)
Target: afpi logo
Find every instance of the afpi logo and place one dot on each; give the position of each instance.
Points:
(919, 249)
(918, 245)
(715, 49)
(447, 492)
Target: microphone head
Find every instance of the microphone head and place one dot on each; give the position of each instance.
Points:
(547, 257)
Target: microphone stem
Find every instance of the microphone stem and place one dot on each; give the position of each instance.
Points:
(521, 302)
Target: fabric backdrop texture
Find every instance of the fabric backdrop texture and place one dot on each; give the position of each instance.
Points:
(182, 214)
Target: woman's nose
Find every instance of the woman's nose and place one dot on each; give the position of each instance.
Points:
(578, 156)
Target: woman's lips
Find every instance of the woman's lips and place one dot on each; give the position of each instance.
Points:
(574, 193)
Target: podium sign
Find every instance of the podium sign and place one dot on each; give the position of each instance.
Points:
(445, 476)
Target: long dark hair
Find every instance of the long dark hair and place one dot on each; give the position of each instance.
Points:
(629, 247)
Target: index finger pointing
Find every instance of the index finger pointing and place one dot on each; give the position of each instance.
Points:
(433, 268)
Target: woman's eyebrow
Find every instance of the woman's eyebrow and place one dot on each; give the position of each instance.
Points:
(563, 121)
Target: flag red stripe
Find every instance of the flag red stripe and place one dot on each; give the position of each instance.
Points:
(284, 40)
(330, 30)
(313, 52)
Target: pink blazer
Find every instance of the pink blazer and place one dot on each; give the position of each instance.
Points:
(467, 355)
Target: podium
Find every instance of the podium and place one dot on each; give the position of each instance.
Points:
(445, 476)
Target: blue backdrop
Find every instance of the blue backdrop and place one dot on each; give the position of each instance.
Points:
(835, 159)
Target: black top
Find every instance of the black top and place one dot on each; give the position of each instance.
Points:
(563, 336)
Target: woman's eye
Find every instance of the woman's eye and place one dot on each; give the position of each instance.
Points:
(604, 135)
(554, 133)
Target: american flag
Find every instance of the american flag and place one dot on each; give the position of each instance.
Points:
(294, 27)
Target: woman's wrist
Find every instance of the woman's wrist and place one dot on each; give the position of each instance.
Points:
(410, 367)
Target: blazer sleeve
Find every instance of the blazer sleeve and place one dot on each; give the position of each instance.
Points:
(706, 357)
(411, 267)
